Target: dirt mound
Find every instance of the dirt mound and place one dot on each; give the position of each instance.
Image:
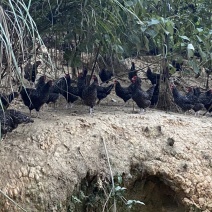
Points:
(43, 164)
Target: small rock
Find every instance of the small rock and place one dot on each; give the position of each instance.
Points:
(170, 141)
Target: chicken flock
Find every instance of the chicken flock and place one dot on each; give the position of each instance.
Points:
(46, 91)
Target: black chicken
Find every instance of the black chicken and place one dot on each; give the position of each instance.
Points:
(155, 96)
(132, 72)
(81, 82)
(102, 92)
(7, 99)
(61, 84)
(34, 99)
(141, 98)
(89, 94)
(206, 99)
(7, 123)
(148, 93)
(30, 71)
(177, 65)
(124, 93)
(18, 117)
(53, 97)
(68, 95)
(105, 75)
(194, 100)
(182, 101)
(40, 83)
(153, 77)
(10, 119)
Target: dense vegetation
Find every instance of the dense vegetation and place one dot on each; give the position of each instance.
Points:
(117, 29)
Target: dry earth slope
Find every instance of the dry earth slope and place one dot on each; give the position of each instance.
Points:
(42, 163)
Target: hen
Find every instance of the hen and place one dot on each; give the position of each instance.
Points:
(40, 83)
(194, 100)
(206, 99)
(7, 99)
(124, 93)
(61, 84)
(30, 71)
(89, 94)
(53, 97)
(81, 82)
(155, 96)
(105, 75)
(148, 93)
(10, 119)
(141, 98)
(102, 92)
(182, 101)
(177, 65)
(153, 77)
(132, 72)
(34, 99)
(68, 95)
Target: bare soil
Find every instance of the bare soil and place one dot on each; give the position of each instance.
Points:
(164, 159)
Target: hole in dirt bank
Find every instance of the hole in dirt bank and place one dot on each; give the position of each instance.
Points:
(93, 192)
(157, 196)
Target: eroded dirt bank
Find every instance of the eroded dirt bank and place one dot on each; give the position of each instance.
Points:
(42, 163)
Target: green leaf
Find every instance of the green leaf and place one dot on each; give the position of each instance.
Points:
(130, 203)
(120, 179)
(153, 22)
(190, 50)
(169, 28)
(118, 48)
(184, 38)
(129, 3)
(202, 54)
(200, 29)
(146, 43)
(193, 64)
(75, 199)
(119, 188)
(152, 32)
(199, 39)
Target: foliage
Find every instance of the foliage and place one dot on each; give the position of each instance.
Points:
(126, 28)
(18, 37)
(98, 195)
